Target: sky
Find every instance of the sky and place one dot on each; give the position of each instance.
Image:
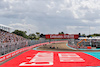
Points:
(51, 16)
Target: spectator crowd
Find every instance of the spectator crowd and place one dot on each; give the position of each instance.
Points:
(9, 37)
(10, 42)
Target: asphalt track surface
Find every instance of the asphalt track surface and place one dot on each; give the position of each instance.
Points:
(62, 47)
(53, 58)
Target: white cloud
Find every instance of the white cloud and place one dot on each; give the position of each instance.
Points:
(11, 7)
(92, 28)
(47, 15)
(57, 11)
(71, 27)
(49, 6)
(97, 21)
(5, 0)
(75, 15)
(63, 7)
(85, 21)
(82, 29)
(30, 28)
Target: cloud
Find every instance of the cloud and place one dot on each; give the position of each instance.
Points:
(86, 21)
(83, 29)
(51, 16)
(30, 28)
(97, 21)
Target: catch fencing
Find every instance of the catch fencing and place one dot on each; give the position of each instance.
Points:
(6, 48)
(12, 46)
(84, 44)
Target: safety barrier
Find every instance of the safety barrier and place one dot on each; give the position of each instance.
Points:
(4, 57)
(12, 46)
(85, 45)
(73, 44)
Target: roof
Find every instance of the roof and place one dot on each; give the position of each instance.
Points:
(89, 38)
(5, 26)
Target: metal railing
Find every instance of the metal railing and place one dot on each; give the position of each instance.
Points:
(9, 47)
(6, 48)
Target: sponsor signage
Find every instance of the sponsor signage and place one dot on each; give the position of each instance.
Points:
(62, 36)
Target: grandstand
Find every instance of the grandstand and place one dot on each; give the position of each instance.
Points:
(8, 41)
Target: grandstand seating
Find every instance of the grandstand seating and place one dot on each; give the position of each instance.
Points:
(10, 42)
(9, 37)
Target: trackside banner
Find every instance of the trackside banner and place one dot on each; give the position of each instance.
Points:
(62, 36)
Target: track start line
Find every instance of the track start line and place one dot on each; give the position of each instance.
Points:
(34, 58)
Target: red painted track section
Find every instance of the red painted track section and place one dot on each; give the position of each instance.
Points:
(34, 58)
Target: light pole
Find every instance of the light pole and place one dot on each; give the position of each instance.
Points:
(89, 37)
(89, 29)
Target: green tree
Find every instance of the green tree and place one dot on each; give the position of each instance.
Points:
(79, 34)
(32, 36)
(83, 35)
(61, 33)
(20, 33)
(37, 33)
(42, 35)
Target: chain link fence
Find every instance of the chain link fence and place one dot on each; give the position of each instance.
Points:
(33, 42)
(84, 44)
(10, 47)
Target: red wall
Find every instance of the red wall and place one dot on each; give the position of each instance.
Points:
(62, 36)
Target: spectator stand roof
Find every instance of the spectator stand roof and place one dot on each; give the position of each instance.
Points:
(6, 28)
(97, 37)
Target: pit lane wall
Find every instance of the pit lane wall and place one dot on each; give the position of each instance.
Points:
(9, 55)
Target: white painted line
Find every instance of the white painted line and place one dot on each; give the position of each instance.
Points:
(70, 57)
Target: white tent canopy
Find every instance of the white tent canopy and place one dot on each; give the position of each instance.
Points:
(4, 27)
(89, 37)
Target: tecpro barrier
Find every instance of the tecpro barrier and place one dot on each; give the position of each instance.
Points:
(7, 56)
